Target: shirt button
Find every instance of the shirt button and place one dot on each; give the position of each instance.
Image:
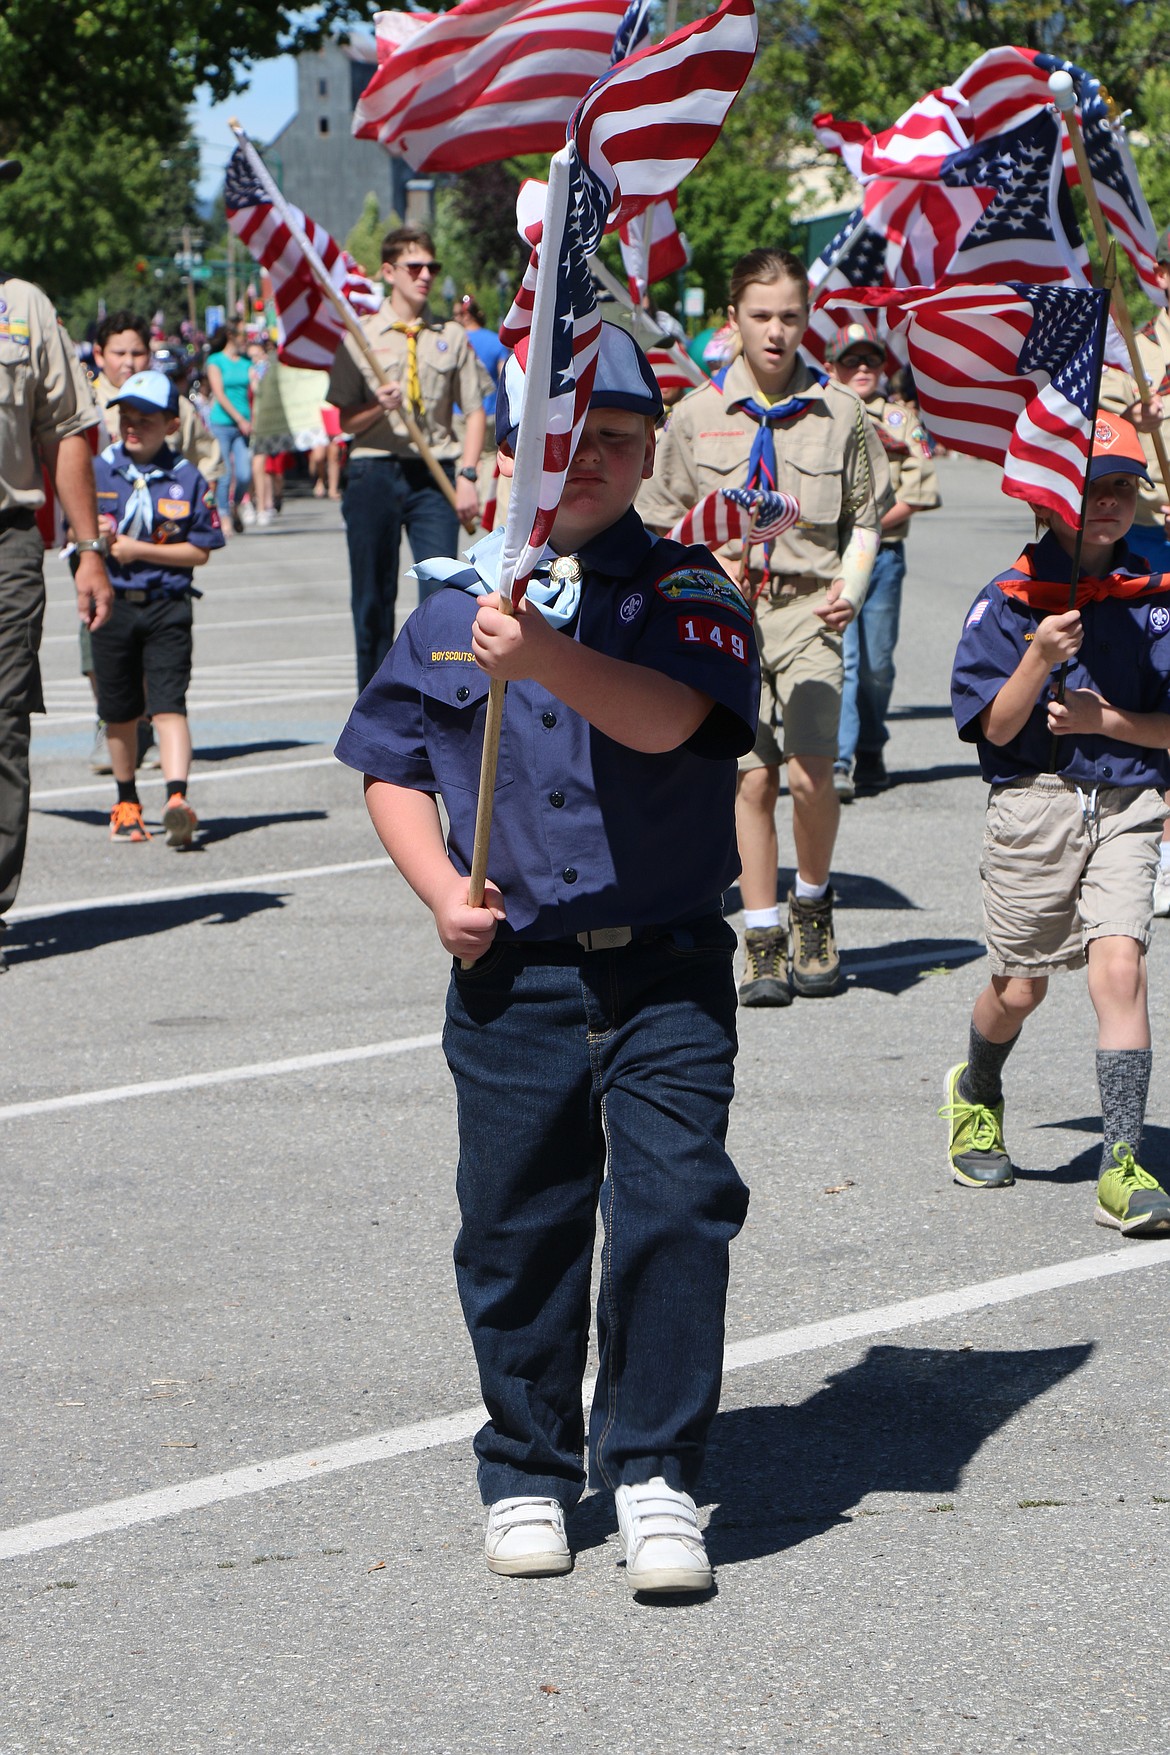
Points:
(570, 874)
(1108, 773)
(462, 692)
(548, 720)
(556, 799)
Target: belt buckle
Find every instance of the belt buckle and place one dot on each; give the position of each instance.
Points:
(606, 938)
(136, 596)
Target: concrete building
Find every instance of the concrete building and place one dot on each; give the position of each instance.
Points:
(315, 158)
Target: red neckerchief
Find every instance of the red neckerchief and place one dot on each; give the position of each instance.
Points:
(1052, 598)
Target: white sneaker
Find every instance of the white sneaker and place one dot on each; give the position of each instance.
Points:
(247, 511)
(526, 1538)
(265, 517)
(664, 1544)
(1162, 893)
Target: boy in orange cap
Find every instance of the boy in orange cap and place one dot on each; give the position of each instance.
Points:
(1069, 857)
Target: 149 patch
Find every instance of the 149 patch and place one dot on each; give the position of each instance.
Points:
(697, 585)
(702, 630)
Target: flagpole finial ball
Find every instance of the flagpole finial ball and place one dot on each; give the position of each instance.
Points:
(1063, 94)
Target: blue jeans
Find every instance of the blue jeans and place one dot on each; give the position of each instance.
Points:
(868, 651)
(382, 497)
(237, 460)
(571, 1067)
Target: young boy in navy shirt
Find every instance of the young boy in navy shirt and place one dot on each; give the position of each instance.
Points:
(1069, 858)
(592, 1036)
(159, 517)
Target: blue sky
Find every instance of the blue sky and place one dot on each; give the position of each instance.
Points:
(268, 103)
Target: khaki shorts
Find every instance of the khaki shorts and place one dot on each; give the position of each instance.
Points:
(1056, 875)
(801, 675)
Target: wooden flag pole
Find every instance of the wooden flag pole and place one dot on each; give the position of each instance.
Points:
(348, 316)
(1064, 97)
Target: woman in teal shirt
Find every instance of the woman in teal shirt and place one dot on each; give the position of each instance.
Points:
(229, 375)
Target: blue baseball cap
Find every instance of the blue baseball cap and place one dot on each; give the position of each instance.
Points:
(151, 392)
(624, 379)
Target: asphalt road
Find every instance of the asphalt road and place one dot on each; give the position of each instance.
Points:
(237, 1506)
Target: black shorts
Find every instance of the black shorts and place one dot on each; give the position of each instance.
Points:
(142, 659)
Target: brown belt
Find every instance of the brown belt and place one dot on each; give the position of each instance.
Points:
(783, 586)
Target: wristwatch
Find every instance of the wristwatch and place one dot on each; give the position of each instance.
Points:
(469, 474)
(99, 545)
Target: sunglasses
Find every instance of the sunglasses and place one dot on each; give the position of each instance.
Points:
(417, 268)
(853, 362)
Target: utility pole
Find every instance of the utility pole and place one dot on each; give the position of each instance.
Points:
(190, 278)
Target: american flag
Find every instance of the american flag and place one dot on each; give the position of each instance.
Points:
(652, 247)
(667, 102)
(275, 233)
(673, 366)
(1007, 373)
(726, 516)
(989, 107)
(492, 78)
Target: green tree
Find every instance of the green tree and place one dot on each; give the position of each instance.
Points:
(364, 242)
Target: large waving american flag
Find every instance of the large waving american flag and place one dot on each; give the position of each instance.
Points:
(276, 233)
(1008, 373)
(990, 149)
(492, 78)
(638, 132)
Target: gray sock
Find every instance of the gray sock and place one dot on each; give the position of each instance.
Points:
(982, 1080)
(1123, 1079)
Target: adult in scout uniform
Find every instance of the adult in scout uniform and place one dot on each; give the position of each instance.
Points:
(389, 488)
(858, 360)
(1149, 536)
(45, 408)
(771, 420)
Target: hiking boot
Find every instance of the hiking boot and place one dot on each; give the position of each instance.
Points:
(664, 1544)
(1129, 1200)
(99, 755)
(765, 975)
(526, 1538)
(869, 772)
(126, 824)
(179, 821)
(816, 965)
(844, 784)
(148, 756)
(977, 1155)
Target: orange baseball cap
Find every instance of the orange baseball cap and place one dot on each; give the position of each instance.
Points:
(1117, 450)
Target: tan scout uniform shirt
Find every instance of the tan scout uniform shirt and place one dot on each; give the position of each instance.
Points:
(448, 373)
(1119, 390)
(44, 394)
(829, 458)
(912, 474)
(194, 440)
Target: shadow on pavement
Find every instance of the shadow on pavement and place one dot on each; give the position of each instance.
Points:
(902, 1420)
(1086, 1166)
(942, 711)
(226, 752)
(851, 889)
(211, 829)
(62, 935)
(924, 776)
(920, 959)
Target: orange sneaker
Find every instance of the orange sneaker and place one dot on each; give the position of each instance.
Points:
(179, 821)
(126, 824)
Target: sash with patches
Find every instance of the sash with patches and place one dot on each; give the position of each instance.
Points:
(1051, 597)
(699, 585)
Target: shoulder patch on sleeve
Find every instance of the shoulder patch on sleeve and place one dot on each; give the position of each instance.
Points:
(698, 585)
(978, 613)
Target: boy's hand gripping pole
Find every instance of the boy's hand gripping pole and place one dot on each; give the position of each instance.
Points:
(345, 311)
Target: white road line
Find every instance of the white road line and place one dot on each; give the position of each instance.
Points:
(180, 892)
(228, 1075)
(200, 776)
(307, 1465)
(208, 626)
(269, 1069)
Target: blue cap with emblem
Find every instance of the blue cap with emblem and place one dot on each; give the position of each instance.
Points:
(624, 379)
(151, 392)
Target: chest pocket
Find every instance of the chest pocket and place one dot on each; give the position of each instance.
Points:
(15, 366)
(437, 381)
(454, 701)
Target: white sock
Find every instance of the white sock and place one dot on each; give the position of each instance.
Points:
(1164, 856)
(753, 917)
(809, 892)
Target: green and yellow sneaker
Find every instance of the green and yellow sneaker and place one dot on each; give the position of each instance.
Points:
(976, 1154)
(1129, 1200)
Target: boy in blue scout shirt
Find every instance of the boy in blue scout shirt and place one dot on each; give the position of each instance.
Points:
(593, 1033)
(1069, 858)
(159, 517)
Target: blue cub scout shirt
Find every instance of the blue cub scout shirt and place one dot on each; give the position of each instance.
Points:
(183, 510)
(1125, 657)
(586, 833)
